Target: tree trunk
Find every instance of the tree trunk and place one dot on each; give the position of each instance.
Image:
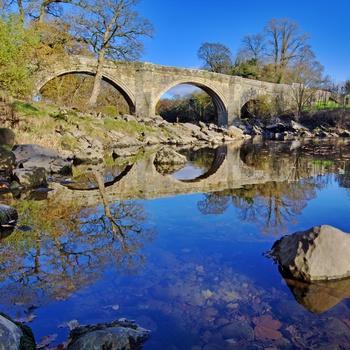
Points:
(97, 80)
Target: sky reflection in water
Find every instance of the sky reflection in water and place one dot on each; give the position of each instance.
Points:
(201, 280)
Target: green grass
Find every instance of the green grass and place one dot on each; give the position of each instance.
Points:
(132, 127)
(325, 163)
(329, 105)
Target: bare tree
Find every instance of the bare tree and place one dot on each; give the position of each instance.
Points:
(34, 9)
(112, 29)
(216, 57)
(5, 5)
(285, 43)
(306, 73)
(253, 47)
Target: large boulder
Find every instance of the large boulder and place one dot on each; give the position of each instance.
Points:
(15, 337)
(119, 335)
(37, 156)
(319, 254)
(32, 177)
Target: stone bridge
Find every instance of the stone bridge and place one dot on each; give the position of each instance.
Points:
(143, 84)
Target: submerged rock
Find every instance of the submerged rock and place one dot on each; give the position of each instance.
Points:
(319, 254)
(119, 335)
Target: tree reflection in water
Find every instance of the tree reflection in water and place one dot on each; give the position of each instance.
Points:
(273, 204)
(70, 246)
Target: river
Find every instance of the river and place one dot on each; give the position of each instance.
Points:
(182, 253)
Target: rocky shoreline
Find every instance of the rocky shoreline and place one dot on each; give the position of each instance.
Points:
(32, 165)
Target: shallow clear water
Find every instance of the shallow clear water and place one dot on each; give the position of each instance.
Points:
(191, 269)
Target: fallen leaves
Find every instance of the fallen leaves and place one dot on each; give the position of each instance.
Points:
(26, 319)
(266, 327)
(48, 339)
(207, 293)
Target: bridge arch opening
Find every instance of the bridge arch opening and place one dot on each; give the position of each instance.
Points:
(257, 108)
(73, 89)
(191, 102)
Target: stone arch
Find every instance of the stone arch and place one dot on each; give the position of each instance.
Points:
(253, 95)
(219, 100)
(117, 84)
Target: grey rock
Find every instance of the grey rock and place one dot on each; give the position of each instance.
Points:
(7, 137)
(128, 118)
(192, 127)
(202, 125)
(319, 254)
(7, 214)
(31, 177)
(119, 335)
(14, 337)
(10, 335)
(298, 127)
(235, 132)
(37, 156)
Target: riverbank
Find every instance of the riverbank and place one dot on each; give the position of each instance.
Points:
(91, 137)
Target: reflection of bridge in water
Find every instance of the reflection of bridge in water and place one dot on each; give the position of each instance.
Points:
(142, 180)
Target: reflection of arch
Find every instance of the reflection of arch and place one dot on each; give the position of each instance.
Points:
(116, 83)
(106, 184)
(214, 168)
(218, 99)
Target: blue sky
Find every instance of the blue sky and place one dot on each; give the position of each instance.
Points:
(183, 25)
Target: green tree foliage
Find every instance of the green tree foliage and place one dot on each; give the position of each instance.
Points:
(105, 29)
(17, 51)
(247, 69)
(216, 57)
(192, 108)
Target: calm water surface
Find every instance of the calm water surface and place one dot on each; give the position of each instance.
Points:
(188, 267)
